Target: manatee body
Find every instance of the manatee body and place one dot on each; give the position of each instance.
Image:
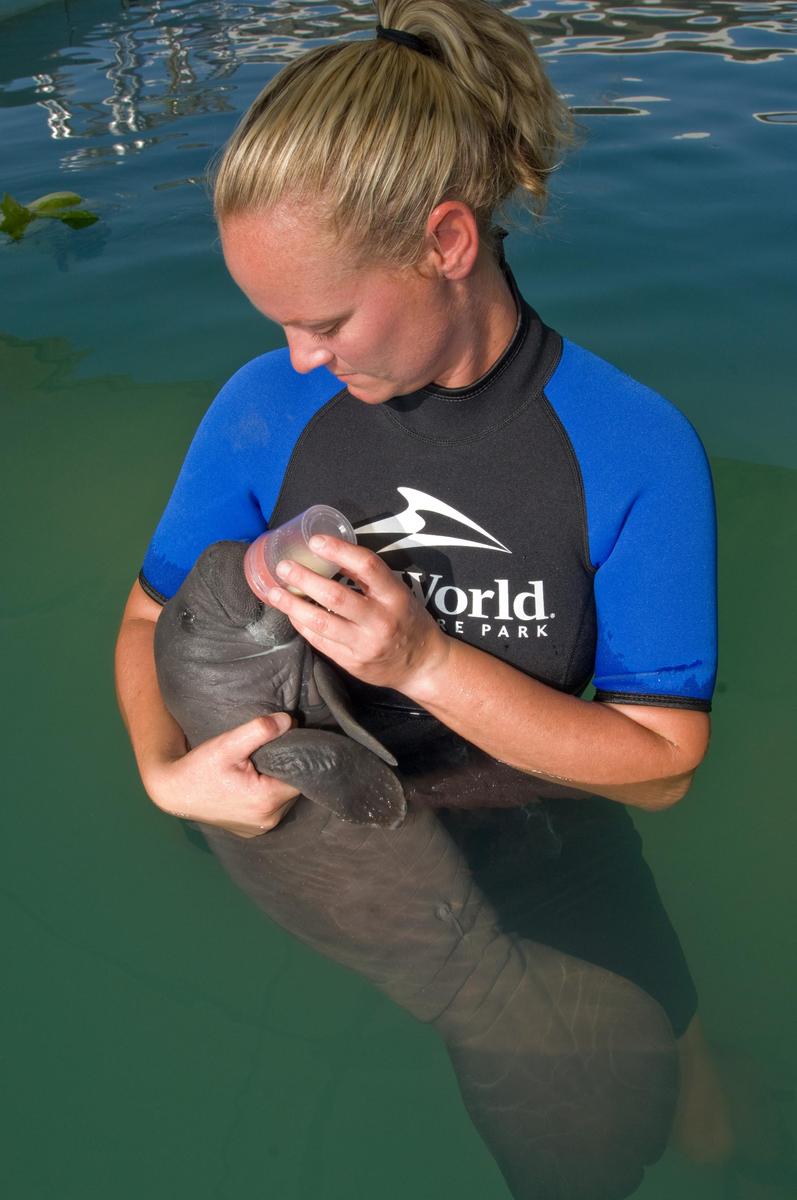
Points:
(567, 1070)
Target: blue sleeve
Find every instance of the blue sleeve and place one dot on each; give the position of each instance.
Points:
(652, 536)
(232, 474)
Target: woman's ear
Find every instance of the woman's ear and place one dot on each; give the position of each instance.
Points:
(452, 240)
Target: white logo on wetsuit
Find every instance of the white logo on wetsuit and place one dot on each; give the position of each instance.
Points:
(452, 601)
(410, 522)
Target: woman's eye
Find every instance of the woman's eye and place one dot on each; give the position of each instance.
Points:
(326, 333)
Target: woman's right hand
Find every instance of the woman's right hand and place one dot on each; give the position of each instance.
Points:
(217, 783)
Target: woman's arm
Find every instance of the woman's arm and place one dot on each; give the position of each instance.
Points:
(640, 755)
(216, 783)
(155, 735)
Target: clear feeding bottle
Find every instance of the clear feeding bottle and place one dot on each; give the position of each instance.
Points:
(291, 541)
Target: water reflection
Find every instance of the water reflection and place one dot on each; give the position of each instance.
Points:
(737, 31)
(607, 110)
(123, 78)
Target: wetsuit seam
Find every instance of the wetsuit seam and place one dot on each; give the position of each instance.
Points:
(657, 699)
(152, 592)
(322, 412)
(575, 470)
(576, 642)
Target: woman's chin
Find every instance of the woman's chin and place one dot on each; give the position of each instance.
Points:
(375, 391)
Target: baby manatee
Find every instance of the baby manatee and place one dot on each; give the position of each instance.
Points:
(567, 1071)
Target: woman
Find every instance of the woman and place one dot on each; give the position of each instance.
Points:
(528, 517)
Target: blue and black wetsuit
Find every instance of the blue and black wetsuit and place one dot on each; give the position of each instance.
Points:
(554, 513)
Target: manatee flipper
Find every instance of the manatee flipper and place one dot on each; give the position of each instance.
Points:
(339, 774)
(332, 692)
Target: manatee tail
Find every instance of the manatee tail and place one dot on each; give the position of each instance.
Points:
(568, 1072)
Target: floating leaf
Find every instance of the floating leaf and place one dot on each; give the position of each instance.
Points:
(55, 206)
(79, 218)
(11, 207)
(16, 217)
(53, 202)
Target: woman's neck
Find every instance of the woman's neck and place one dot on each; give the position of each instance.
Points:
(486, 317)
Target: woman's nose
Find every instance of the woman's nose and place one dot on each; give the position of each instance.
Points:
(306, 354)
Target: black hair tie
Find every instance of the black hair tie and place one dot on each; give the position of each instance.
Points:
(405, 39)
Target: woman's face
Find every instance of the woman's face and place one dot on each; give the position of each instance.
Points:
(383, 331)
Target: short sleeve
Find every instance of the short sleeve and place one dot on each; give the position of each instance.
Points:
(655, 592)
(231, 477)
(650, 516)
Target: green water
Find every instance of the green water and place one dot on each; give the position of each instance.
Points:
(165, 1040)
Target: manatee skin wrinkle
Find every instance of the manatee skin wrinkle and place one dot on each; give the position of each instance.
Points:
(567, 1070)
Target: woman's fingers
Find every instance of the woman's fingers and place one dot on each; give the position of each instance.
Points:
(379, 633)
(336, 597)
(237, 744)
(360, 564)
(313, 621)
(336, 613)
(217, 784)
(330, 615)
(265, 822)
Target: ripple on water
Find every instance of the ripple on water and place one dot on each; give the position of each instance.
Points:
(608, 110)
(162, 68)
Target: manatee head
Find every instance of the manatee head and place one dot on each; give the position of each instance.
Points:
(215, 601)
(219, 648)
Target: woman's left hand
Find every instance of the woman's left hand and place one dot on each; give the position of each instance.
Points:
(380, 634)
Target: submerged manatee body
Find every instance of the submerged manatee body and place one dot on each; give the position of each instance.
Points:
(567, 1070)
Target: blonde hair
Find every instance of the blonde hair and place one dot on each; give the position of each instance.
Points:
(379, 134)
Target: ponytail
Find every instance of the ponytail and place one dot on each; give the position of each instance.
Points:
(379, 134)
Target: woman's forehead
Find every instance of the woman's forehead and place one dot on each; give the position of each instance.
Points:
(294, 263)
(290, 234)
(291, 266)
